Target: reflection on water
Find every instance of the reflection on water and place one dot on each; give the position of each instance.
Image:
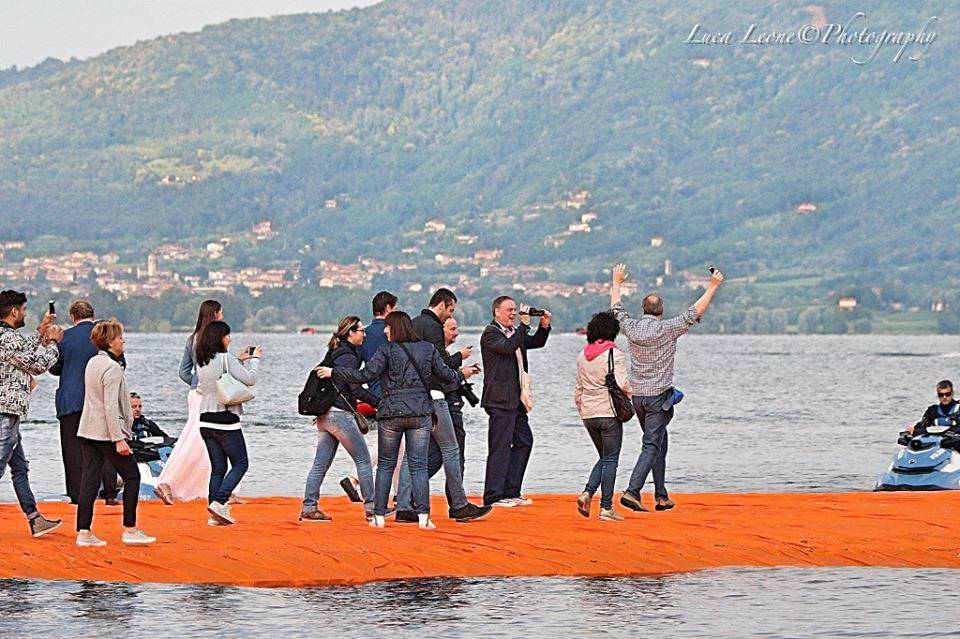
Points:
(820, 602)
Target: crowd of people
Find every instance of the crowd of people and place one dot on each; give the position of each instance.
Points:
(398, 367)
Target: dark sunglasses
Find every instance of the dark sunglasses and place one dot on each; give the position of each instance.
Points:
(947, 394)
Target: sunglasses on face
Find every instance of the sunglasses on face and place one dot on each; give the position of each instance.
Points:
(947, 394)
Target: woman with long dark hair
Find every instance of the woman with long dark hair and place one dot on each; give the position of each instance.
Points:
(592, 398)
(405, 408)
(186, 474)
(338, 426)
(220, 423)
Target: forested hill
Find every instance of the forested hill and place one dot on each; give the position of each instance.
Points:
(478, 112)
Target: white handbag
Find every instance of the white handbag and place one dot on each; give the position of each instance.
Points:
(230, 390)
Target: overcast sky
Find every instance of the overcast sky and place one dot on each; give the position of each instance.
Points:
(33, 30)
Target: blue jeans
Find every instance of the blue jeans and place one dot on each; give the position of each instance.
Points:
(11, 454)
(607, 436)
(653, 454)
(223, 445)
(338, 427)
(446, 438)
(416, 430)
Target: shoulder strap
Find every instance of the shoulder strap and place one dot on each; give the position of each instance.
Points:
(415, 367)
(610, 361)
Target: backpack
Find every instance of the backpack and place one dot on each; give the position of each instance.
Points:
(317, 395)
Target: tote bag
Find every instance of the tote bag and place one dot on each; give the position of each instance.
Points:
(230, 390)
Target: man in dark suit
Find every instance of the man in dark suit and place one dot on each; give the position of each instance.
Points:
(76, 350)
(509, 438)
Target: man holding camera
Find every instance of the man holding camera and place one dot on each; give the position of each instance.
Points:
(653, 346)
(444, 442)
(506, 398)
(22, 357)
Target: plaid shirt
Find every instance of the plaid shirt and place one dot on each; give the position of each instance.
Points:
(653, 345)
(20, 357)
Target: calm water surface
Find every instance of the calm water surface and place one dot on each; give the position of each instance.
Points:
(773, 413)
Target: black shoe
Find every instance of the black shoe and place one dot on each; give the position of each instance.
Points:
(631, 501)
(407, 517)
(470, 512)
(665, 504)
(348, 488)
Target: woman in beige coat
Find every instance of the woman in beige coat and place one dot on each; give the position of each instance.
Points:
(596, 410)
(104, 433)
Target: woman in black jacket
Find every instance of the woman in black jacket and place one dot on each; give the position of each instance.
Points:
(337, 426)
(405, 408)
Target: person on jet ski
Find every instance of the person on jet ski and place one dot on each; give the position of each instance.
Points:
(143, 427)
(945, 413)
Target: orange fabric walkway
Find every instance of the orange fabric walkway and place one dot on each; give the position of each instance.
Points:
(268, 547)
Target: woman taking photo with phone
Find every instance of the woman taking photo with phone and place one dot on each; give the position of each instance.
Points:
(223, 381)
(106, 427)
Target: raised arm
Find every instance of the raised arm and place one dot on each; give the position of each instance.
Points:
(703, 303)
(494, 340)
(28, 355)
(245, 373)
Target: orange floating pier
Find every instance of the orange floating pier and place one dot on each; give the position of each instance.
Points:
(268, 547)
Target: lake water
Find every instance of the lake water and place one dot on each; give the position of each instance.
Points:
(761, 414)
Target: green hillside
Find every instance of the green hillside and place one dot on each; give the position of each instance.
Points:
(478, 112)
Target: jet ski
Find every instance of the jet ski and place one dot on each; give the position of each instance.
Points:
(925, 461)
(151, 454)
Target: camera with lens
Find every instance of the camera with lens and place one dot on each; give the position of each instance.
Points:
(466, 391)
(536, 312)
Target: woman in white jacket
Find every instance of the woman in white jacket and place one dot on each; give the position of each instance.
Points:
(219, 423)
(596, 410)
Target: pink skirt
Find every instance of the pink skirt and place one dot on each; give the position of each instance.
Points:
(187, 471)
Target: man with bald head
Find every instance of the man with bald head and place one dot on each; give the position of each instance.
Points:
(653, 346)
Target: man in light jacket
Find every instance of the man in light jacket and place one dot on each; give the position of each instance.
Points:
(22, 357)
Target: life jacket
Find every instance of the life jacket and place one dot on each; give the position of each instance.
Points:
(949, 418)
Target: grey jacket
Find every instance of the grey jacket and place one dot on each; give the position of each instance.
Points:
(107, 415)
(188, 364)
(21, 356)
(403, 394)
(209, 375)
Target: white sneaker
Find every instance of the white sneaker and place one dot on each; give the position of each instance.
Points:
(505, 503)
(136, 537)
(425, 522)
(87, 539)
(378, 521)
(213, 521)
(221, 512)
(522, 501)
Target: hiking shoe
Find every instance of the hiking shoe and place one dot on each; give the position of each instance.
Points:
(470, 512)
(111, 501)
(609, 514)
(633, 502)
(315, 515)
(40, 525)
(347, 484)
(136, 537)
(665, 504)
(583, 503)
(406, 517)
(505, 503)
(86, 539)
(163, 492)
(221, 512)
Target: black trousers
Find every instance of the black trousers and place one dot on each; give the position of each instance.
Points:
(509, 442)
(94, 455)
(72, 454)
(435, 457)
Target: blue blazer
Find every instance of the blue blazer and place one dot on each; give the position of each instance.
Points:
(76, 350)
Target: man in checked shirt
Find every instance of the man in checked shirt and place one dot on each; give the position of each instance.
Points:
(653, 345)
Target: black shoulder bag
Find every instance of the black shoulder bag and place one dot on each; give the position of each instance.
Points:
(423, 380)
(317, 395)
(622, 406)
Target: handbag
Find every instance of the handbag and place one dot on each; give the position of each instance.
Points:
(423, 380)
(622, 406)
(230, 390)
(362, 424)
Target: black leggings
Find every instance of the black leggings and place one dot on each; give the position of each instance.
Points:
(94, 453)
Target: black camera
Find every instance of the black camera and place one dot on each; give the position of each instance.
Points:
(466, 391)
(535, 312)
